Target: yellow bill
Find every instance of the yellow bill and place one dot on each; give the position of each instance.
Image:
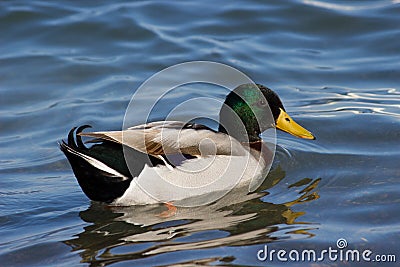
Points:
(287, 124)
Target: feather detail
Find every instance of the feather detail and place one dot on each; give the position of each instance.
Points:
(173, 137)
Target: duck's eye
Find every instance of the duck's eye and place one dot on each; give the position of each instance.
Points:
(262, 103)
(287, 119)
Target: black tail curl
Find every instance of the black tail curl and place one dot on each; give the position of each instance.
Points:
(97, 184)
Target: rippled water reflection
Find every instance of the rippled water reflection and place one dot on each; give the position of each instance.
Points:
(335, 65)
(235, 220)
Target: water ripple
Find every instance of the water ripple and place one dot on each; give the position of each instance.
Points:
(365, 6)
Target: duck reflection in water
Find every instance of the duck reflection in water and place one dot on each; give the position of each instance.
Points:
(237, 219)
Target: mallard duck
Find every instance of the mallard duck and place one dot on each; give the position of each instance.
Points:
(169, 161)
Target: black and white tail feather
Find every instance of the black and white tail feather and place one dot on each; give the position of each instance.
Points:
(101, 169)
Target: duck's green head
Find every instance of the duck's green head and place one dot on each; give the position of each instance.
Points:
(251, 109)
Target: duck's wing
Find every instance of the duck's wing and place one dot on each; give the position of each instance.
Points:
(173, 137)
